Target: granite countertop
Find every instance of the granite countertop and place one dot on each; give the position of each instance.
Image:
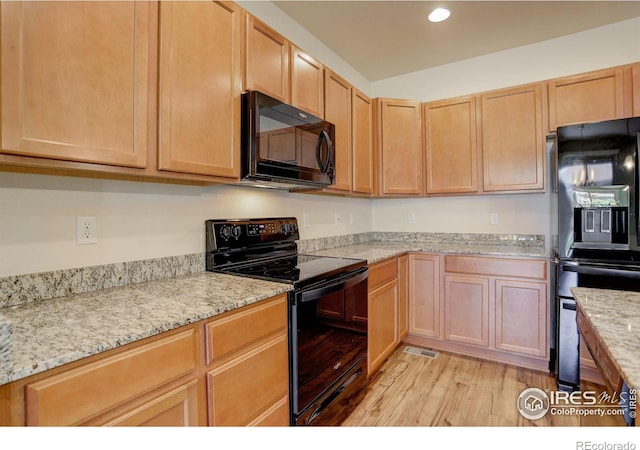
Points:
(615, 316)
(44, 334)
(50, 333)
(373, 252)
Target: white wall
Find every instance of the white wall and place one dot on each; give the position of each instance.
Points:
(140, 220)
(606, 46)
(146, 220)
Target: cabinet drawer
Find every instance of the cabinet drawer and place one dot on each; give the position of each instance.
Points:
(179, 407)
(245, 327)
(479, 265)
(382, 273)
(75, 396)
(244, 389)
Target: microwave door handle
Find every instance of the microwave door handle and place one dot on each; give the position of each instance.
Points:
(324, 164)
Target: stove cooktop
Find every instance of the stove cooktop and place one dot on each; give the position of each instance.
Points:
(295, 269)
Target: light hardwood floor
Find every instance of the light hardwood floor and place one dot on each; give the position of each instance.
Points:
(454, 390)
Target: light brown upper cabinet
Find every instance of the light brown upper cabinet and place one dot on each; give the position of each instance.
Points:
(451, 146)
(267, 60)
(362, 130)
(399, 146)
(307, 82)
(200, 86)
(337, 110)
(513, 151)
(635, 75)
(77, 99)
(590, 97)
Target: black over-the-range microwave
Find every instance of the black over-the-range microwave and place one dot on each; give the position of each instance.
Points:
(284, 146)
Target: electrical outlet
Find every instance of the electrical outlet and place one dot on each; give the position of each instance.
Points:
(338, 219)
(411, 217)
(494, 219)
(352, 219)
(86, 230)
(305, 219)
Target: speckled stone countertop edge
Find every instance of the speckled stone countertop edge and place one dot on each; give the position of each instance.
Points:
(135, 312)
(15, 364)
(374, 252)
(618, 332)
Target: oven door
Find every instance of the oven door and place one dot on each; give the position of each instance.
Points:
(328, 339)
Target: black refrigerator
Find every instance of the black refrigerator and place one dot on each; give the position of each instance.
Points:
(598, 232)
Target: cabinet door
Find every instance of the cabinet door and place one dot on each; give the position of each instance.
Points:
(383, 324)
(307, 82)
(399, 137)
(200, 85)
(76, 80)
(513, 151)
(466, 314)
(521, 317)
(362, 129)
(244, 388)
(337, 110)
(635, 76)
(403, 296)
(451, 146)
(177, 408)
(584, 98)
(424, 295)
(267, 60)
(80, 394)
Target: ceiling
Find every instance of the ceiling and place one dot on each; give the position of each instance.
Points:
(382, 39)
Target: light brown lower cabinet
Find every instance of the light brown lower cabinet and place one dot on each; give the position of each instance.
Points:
(403, 296)
(424, 295)
(382, 312)
(494, 308)
(229, 370)
(466, 310)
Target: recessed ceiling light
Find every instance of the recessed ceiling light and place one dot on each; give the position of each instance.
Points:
(439, 14)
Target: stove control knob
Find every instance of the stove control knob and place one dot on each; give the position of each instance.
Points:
(236, 231)
(225, 232)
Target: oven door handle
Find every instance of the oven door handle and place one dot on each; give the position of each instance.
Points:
(332, 397)
(592, 270)
(339, 284)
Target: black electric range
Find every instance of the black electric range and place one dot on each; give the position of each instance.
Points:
(266, 249)
(327, 312)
